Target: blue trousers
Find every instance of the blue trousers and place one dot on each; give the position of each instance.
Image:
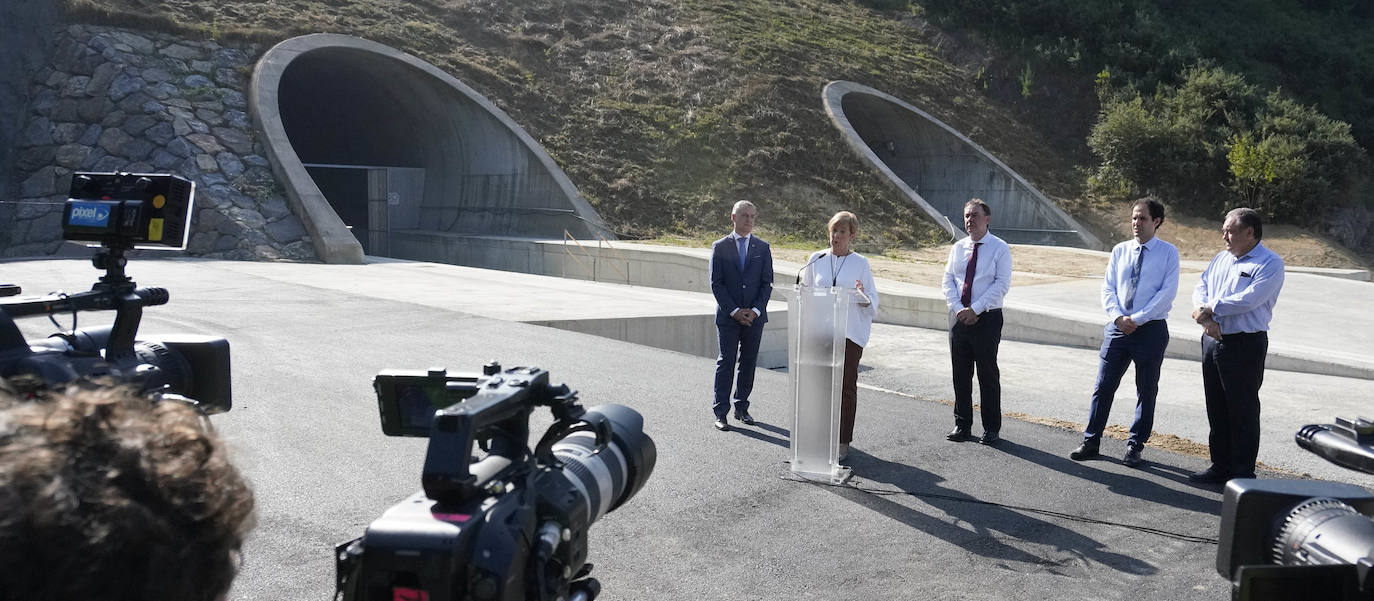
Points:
(738, 345)
(1145, 347)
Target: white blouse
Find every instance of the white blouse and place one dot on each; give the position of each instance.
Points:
(842, 272)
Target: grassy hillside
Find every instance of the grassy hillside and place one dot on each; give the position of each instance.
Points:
(665, 111)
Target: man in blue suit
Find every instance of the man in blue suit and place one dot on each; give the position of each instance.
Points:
(742, 281)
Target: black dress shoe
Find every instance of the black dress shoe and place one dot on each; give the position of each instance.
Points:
(1084, 452)
(744, 417)
(1132, 458)
(960, 435)
(990, 438)
(721, 424)
(1211, 475)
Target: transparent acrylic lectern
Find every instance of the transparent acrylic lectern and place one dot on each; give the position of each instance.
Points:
(816, 319)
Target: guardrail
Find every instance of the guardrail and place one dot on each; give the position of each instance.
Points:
(594, 260)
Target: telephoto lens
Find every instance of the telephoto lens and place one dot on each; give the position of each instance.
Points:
(1324, 531)
(608, 478)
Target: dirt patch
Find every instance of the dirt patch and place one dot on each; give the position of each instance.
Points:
(1199, 239)
(1032, 264)
(1196, 239)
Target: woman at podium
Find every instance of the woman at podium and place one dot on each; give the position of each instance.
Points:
(841, 267)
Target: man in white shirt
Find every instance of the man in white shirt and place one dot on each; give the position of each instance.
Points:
(977, 277)
(1137, 292)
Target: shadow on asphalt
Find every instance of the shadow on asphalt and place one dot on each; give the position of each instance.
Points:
(971, 523)
(780, 440)
(1121, 484)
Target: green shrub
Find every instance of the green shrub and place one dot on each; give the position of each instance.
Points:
(1296, 163)
(1214, 141)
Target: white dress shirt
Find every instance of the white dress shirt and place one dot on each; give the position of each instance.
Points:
(991, 280)
(842, 272)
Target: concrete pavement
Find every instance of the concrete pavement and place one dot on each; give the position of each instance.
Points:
(719, 519)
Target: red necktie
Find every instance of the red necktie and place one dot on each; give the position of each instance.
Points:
(966, 294)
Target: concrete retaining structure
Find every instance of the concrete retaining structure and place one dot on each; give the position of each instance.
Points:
(691, 333)
(940, 169)
(327, 101)
(1064, 313)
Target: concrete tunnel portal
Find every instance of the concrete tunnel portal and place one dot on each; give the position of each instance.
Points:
(940, 169)
(367, 137)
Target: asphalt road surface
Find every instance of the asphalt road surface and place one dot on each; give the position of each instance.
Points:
(720, 518)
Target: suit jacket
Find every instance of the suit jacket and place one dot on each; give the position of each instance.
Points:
(735, 288)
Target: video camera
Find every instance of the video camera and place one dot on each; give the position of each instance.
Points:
(512, 525)
(1303, 540)
(120, 211)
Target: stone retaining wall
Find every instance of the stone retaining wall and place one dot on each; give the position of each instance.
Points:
(25, 27)
(121, 100)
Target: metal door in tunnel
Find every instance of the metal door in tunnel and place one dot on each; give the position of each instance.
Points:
(345, 187)
(372, 200)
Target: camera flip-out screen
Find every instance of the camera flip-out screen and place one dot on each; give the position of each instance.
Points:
(407, 399)
(140, 210)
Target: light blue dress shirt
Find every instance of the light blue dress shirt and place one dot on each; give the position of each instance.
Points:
(1241, 291)
(1156, 289)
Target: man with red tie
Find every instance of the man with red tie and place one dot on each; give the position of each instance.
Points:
(742, 281)
(977, 277)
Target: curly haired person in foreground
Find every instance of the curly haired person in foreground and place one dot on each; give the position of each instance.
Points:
(107, 495)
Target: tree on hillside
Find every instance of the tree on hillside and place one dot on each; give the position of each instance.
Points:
(1215, 141)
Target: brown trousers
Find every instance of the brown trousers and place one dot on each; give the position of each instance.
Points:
(849, 390)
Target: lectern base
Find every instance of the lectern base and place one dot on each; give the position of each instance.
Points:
(836, 478)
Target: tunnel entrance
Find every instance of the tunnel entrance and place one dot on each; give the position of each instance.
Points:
(429, 156)
(940, 169)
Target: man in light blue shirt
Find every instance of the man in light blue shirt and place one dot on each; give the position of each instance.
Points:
(1137, 292)
(1235, 300)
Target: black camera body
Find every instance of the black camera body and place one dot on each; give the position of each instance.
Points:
(512, 525)
(1302, 540)
(121, 211)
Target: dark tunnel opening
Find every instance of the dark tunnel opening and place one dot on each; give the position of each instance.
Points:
(348, 108)
(410, 158)
(946, 169)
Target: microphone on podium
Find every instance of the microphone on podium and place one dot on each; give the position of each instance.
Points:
(799, 271)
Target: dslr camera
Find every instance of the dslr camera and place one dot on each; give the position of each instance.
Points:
(1303, 540)
(512, 524)
(120, 212)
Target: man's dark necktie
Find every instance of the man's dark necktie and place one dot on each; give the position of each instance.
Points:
(966, 295)
(743, 251)
(1135, 278)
